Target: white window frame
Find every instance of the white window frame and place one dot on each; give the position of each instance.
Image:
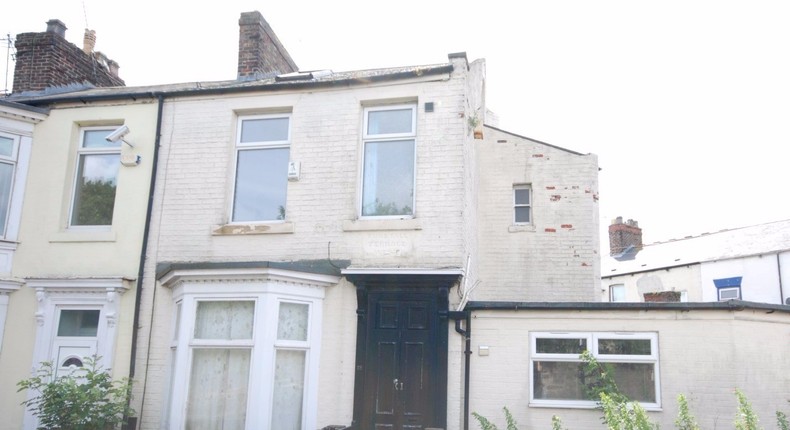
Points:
(592, 346)
(12, 161)
(728, 289)
(387, 137)
(611, 293)
(246, 146)
(267, 288)
(516, 205)
(82, 151)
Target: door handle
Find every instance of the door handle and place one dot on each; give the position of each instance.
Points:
(398, 385)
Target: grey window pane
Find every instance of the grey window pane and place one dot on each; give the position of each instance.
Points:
(288, 390)
(390, 121)
(522, 214)
(261, 184)
(224, 320)
(292, 321)
(264, 130)
(6, 146)
(635, 380)
(78, 322)
(624, 346)
(6, 181)
(388, 183)
(560, 346)
(522, 196)
(558, 380)
(94, 194)
(98, 139)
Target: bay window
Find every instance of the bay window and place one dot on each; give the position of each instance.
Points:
(557, 371)
(245, 356)
(389, 138)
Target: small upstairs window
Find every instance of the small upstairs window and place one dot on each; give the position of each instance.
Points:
(8, 154)
(522, 204)
(262, 154)
(728, 288)
(97, 178)
(389, 138)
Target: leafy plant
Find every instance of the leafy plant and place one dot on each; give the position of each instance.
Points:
(685, 421)
(745, 419)
(488, 425)
(556, 423)
(599, 379)
(620, 415)
(85, 399)
(781, 421)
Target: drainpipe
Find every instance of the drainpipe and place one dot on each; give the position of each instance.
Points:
(141, 270)
(466, 333)
(779, 269)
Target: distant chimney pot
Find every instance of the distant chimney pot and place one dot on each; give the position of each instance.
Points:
(89, 41)
(622, 235)
(56, 26)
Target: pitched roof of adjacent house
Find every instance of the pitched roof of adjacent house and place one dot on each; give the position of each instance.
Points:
(723, 245)
(289, 81)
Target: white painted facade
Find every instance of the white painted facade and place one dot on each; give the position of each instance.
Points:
(462, 222)
(62, 271)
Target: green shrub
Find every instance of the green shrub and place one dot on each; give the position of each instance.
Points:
(620, 415)
(85, 399)
(685, 421)
(488, 425)
(745, 419)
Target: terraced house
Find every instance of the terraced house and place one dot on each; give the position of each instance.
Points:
(362, 249)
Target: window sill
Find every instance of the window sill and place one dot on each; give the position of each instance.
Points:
(519, 228)
(650, 407)
(83, 236)
(382, 224)
(252, 229)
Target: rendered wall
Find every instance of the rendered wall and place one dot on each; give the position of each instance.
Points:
(556, 257)
(760, 275)
(704, 354)
(684, 278)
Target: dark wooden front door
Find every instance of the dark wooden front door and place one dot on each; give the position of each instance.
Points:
(401, 359)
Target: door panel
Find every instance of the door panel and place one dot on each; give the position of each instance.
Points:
(402, 359)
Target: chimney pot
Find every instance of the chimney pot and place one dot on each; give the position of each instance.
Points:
(89, 41)
(56, 26)
(621, 236)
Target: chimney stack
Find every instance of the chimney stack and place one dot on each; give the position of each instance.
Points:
(47, 59)
(622, 235)
(260, 52)
(89, 41)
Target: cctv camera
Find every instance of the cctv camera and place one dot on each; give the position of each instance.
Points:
(118, 134)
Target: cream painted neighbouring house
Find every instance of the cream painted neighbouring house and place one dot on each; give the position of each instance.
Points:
(70, 293)
(368, 249)
(749, 263)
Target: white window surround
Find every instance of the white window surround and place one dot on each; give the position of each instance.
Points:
(269, 145)
(617, 293)
(6, 288)
(522, 207)
(20, 159)
(267, 288)
(53, 295)
(87, 153)
(400, 138)
(592, 339)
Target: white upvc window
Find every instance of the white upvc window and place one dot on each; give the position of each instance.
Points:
(389, 145)
(9, 147)
(261, 174)
(522, 204)
(246, 357)
(556, 368)
(617, 293)
(96, 179)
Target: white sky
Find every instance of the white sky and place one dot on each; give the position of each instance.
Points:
(685, 102)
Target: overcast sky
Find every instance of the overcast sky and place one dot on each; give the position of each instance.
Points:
(685, 102)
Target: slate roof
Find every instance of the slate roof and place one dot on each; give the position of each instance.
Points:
(759, 239)
(290, 81)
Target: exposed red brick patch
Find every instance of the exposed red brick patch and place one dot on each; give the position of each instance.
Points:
(567, 226)
(537, 155)
(585, 265)
(551, 188)
(663, 296)
(550, 230)
(556, 197)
